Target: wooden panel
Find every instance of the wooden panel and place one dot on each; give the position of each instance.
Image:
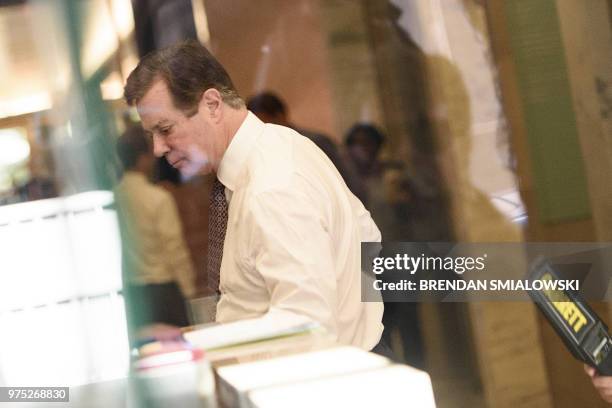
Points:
(538, 53)
(284, 51)
(569, 385)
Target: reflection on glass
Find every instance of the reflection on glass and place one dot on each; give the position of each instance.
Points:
(61, 305)
(61, 313)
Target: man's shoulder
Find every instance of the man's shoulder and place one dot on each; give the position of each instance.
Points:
(280, 159)
(315, 136)
(272, 163)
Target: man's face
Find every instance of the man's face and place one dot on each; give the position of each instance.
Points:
(364, 150)
(188, 143)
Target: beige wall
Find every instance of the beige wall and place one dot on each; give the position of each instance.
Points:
(276, 45)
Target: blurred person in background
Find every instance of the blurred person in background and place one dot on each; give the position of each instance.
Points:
(399, 208)
(398, 214)
(191, 197)
(37, 188)
(363, 143)
(157, 269)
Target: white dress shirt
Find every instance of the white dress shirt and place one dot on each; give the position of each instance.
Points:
(294, 236)
(153, 247)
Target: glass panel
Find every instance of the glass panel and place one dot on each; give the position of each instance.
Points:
(405, 98)
(61, 306)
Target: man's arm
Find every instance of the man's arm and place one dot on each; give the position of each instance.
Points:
(293, 253)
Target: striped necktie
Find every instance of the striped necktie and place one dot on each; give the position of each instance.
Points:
(217, 224)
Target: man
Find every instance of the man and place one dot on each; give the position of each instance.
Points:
(157, 270)
(292, 229)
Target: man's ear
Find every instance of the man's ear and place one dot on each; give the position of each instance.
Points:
(211, 103)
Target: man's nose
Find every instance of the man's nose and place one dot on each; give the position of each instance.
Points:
(160, 147)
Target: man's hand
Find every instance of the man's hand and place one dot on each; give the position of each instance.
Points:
(603, 384)
(159, 332)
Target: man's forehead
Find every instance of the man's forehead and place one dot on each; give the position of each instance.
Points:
(155, 106)
(156, 99)
(149, 111)
(150, 117)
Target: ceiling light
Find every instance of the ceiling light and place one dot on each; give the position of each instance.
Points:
(14, 147)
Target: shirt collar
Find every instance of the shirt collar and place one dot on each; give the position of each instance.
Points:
(235, 157)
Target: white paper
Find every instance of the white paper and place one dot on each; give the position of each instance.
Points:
(269, 326)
